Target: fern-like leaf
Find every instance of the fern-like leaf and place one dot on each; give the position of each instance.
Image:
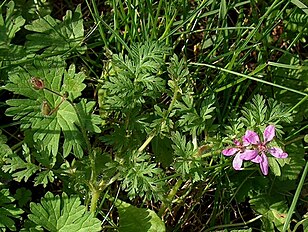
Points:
(186, 162)
(142, 178)
(134, 77)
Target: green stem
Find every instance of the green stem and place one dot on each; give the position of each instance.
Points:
(146, 143)
(295, 198)
(170, 196)
(232, 225)
(94, 199)
(295, 139)
(154, 132)
(95, 192)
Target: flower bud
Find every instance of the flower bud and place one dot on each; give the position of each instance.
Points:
(37, 83)
(45, 109)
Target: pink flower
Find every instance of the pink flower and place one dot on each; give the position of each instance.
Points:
(262, 148)
(240, 153)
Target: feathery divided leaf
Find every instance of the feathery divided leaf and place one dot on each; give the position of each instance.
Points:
(10, 25)
(186, 161)
(190, 117)
(63, 214)
(142, 177)
(263, 112)
(5, 150)
(134, 77)
(22, 169)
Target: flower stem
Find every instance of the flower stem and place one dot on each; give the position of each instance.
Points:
(170, 196)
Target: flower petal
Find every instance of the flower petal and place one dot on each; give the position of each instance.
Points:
(251, 137)
(269, 133)
(237, 162)
(264, 164)
(257, 159)
(249, 154)
(230, 151)
(277, 152)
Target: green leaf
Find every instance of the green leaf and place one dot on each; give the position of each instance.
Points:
(274, 166)
(178, 73)
(22, 170)
(135, 77)
(186, 158)
(54, 36)
(295, 161)
(23, 196)
(5, 150)
(273, 209)
(10, 25)
(134, 219)
(141, 177)
(254, 112)
(64, 118)
(8, 211)
(65, 214)
(192, 119)
(44, 178)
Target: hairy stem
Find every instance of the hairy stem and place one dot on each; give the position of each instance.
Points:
(94, 199)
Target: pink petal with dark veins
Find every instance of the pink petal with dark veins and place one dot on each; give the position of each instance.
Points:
(264, 164)
(251, 137)
(269, 133)
(277, 152)
(230, 151)
(249, 154)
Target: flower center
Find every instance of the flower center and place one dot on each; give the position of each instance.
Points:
(262, 147)
(241, 147)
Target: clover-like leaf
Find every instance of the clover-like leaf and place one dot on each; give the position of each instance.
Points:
(63, 214)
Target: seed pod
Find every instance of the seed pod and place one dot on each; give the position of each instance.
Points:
(37, 83)
(45, 109)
